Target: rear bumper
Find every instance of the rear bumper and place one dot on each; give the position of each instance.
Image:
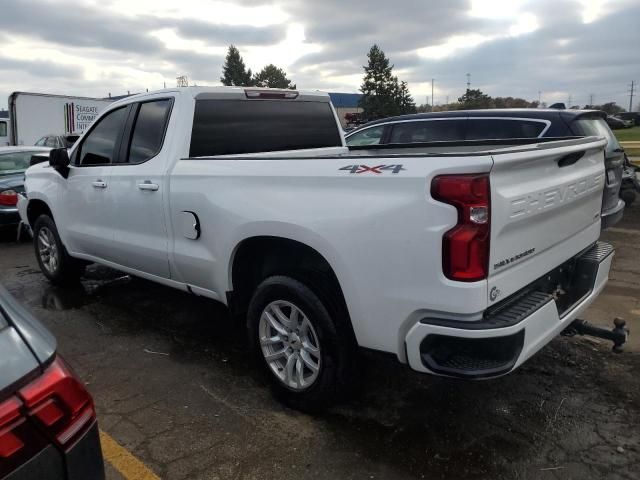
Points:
(510, 334)
(612, 216)
(82, 462)
(9, 217)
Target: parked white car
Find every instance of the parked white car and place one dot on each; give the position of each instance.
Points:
(461, 261)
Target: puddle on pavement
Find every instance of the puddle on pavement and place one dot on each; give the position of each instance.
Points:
(88, 291)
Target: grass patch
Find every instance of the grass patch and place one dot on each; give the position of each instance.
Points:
(633, 152)
(628, 134)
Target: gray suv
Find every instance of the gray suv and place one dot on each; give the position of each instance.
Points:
(48, 426)
(502, 124)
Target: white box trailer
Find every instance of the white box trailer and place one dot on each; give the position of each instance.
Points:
(34, 115)
(4, 131)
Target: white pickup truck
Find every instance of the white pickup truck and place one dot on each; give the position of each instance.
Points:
(461, 260)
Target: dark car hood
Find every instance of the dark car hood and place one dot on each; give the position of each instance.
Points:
(11, 180)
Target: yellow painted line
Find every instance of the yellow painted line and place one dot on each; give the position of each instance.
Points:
(123, 461)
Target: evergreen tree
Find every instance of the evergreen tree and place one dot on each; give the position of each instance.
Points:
(379, 86)
(405, 100)
(272, 77)
(234, 71)
(474, 99)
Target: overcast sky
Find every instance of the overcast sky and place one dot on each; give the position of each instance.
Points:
(561, 48)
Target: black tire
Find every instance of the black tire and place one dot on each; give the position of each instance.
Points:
(336, 346)
(67, 270)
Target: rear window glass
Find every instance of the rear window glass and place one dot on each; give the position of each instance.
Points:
(497, 129)
(428, 131)
(222, 127)
(596, 126)
(15, 162)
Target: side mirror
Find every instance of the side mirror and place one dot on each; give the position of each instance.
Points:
(59, 160)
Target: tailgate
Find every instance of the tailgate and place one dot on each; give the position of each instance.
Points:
(545, 208)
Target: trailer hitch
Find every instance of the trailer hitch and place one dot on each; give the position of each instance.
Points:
(618, 334)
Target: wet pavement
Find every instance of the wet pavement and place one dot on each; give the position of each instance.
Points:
(173, 384)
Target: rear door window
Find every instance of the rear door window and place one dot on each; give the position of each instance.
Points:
(149, 129)
(368, 136)
(428, 131)
(498, 129)
(222, 127)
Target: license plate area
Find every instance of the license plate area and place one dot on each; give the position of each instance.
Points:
(567, 284)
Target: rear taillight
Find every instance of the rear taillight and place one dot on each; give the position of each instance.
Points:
(9, 198)
(465, 248)
(54, 408)
(59, 404)
(19, 439)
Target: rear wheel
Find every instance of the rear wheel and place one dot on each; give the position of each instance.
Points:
(298, 341)
(53, 259)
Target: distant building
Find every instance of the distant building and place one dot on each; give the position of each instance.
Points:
(345, 103)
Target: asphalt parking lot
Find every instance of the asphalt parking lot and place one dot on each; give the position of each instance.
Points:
(177, 396)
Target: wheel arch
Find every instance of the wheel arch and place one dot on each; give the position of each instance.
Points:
(258, 257)
(37, 207)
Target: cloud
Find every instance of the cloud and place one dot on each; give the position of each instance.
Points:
(510, 47)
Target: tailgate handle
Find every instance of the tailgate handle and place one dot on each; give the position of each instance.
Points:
(570, 159)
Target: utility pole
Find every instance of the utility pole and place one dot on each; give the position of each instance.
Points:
(432, 94)
(447, 99)
(468, 81)
(631, 96)
(569, 102)
(539, 97)
(591, 95)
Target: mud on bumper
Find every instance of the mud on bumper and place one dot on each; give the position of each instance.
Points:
(514, 329)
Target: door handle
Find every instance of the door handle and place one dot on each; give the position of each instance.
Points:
(147, 185)
(99, 184)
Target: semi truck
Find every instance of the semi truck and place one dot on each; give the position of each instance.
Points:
(34, 115)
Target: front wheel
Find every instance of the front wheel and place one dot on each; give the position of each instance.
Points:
(53, 259)
(299, 342)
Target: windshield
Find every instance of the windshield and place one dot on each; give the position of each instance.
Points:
(15, 162)
(368, 136)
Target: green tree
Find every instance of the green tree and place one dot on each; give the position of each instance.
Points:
(405, 100)
(379, 87)
(234, 71)
(272, 77)
(511, 102)
(475, 99)
(610, 107)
